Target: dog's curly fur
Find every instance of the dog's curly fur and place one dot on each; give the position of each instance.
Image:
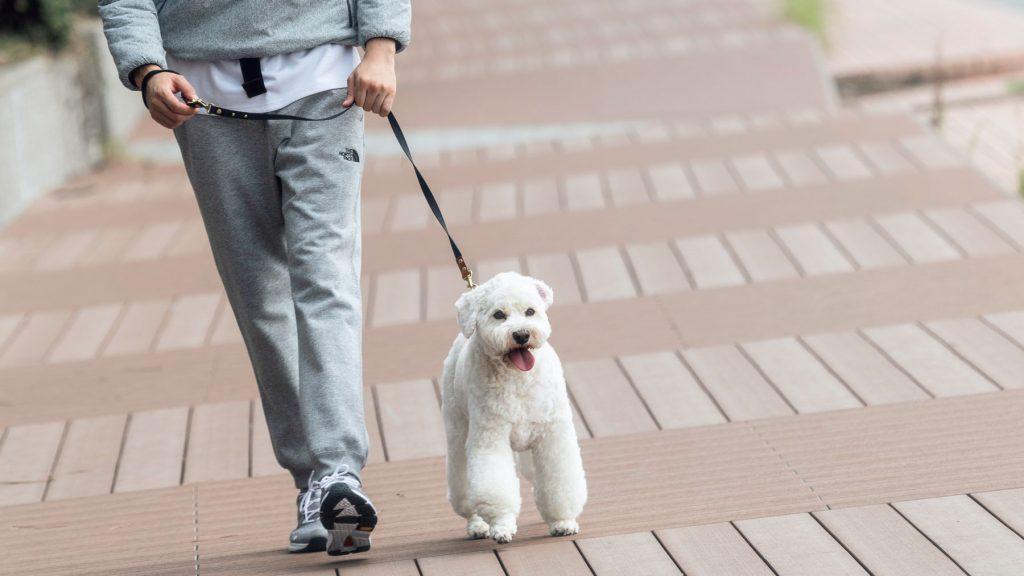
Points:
(493, 410)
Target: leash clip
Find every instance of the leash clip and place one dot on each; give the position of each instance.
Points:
(467, 274)
(199, 103)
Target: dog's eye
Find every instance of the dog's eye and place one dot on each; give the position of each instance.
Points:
(499, 315)
(529, 311)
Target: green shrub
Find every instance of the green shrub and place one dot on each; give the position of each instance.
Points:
(43, 22)
(809, 14)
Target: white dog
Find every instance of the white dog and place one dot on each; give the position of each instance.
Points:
(504, 392)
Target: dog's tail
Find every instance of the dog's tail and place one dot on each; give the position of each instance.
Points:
(524, 464)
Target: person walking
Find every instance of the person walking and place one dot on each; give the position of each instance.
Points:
(280, 203)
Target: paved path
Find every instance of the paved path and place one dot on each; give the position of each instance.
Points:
(793, 336)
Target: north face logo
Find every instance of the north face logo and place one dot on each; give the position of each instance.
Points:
(350, 154)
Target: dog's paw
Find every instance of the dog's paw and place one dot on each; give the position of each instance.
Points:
(503, 534)
(564, 527)
(477, 528)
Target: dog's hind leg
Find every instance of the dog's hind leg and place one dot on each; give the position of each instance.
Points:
(493, 483)
(559, 486)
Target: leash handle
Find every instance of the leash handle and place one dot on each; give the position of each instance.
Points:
(467, 274)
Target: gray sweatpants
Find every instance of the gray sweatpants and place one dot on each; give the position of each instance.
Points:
(280, 202)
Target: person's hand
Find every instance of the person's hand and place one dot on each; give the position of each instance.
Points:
(161, 94)
(372, 85)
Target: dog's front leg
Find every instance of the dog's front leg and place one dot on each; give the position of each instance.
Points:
(493, 483)
(559, 485)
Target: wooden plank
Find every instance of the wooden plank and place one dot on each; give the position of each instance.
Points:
(35, 338)
(800, 169)
(457, 204)
(1007, 505)
(756, 172)
(604, 273)
(68, 251)
(411, 419)
(188, 322)
(657, 268)
(486, 269)
(917, 239)
(154, 449)
(713, 177)
(843, 163)
(737, 387)
(497, 201)
(376, 449)
(154, 239)
(709, 263)
(557, 271)
(606, 399)
(8, 325)
(975, 539)
(137, 330)
(673, 395)
(398, 568)
(927, 361)
(987, 350)
(885, 157)
(864, 244)
(225, 328)
(84, 336)
(218, 442)
(796, 545)
(443, 289)
(89, 457)
(409, 212)
(263, 461)
(374, 212)
(626, 187)
(557, 558)
(110, 246)
(670, 182)
(636, 553)
(931, 152)
(583, 192)
(191, 239)
(397, 300)
(864, 369)
(26, 458)
(805, 382)
(814, 252)
(973, 237)
(540, 196)
(1009, 323)
(712, 550)
(885, 542)
(763, 259)
(483, 563)
(1007, 216)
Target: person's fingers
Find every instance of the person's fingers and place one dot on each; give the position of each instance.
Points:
(350, 97)
(377, 103)
(161, 118)
(173, 103)
(361, 90)
(172, 117)
(182, 84)
(389, 104)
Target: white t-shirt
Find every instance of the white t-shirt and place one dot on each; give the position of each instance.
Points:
(287, 77)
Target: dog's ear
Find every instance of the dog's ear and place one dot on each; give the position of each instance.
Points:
(547, 295)
(466, 308)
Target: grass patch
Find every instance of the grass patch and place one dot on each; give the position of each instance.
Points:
(1015, 86)
(811, 15)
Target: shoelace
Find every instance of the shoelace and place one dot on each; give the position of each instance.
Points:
(310, 501)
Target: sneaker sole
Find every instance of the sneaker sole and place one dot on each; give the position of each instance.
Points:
(347, 533)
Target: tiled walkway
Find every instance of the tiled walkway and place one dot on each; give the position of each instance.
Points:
(793, 335)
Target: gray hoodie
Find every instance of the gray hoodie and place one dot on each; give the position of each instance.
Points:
(139, 31)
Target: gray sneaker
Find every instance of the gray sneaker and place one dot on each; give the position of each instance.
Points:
(309, 535)
(347, 514)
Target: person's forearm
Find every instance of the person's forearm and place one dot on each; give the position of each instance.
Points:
(133, 35)
(139, 73)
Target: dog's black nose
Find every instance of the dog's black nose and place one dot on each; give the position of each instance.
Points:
(521, 336)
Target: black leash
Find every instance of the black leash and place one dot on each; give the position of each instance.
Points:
(464, 270)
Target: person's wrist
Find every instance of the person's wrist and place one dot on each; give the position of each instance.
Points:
(381, 48)
(140, 72)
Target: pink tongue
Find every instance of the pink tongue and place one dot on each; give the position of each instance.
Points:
(522, 358)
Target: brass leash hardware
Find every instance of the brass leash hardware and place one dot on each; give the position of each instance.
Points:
(199, 103)
(467, 274)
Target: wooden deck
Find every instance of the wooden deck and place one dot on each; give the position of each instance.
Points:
(793, 335)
